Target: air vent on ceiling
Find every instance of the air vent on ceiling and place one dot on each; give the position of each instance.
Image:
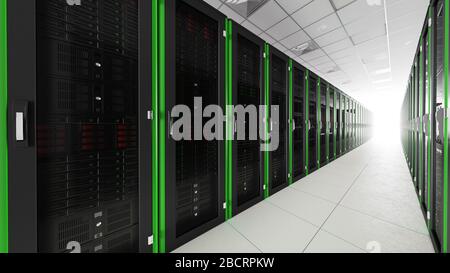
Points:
(305, 48)
(245, 7)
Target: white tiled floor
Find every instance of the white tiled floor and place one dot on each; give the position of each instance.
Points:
(362, 202)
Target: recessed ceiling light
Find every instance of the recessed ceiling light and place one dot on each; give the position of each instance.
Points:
(374, 2)
(382, 81)
(382, 71)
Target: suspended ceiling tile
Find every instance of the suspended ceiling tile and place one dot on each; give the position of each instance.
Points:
(295, 39)
(359, 9)
(313, 12)
(313, 55)
(339, 4)
(268, 15)
(341, 45)
(325, 25)
(290, 6)
(283, 29)
(331, 37)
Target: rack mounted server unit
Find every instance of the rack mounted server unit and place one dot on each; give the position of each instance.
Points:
(425, 122)
(77, 85)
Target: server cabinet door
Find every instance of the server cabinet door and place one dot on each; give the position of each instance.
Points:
(299, 122)
(344, 124)
(312, 123)
(194, 169)
(338, 124)
(22, 160)
(248, 88)
(331, 124)
(425, 119)
(88, 126)
(74, 113)
(146, 123)
(279, 81)
(323, 123)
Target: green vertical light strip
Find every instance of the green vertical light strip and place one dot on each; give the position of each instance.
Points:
(230, 123)
(267, 118)
(420, 178)
(430, 34)
(318, 121)
(162, 123)
(307, 123)
(155, 107)
(3, 128)
(446, 70)
(291, 121)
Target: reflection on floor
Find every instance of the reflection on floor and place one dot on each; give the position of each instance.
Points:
(362, 202)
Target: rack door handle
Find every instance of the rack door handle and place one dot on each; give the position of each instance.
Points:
(21, 123)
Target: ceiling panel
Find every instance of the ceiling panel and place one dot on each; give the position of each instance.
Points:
(361, 46)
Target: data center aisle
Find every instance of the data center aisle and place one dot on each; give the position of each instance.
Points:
(363, 202)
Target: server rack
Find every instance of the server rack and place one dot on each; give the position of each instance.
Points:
(338, 123)
(191, 197)
(278, 95)
(312, 122)
(299, 106)
(331, 123)
(74, 126)
(344, 124)
(248, 90)
(425, 121)
(425, 118)
(322, 123)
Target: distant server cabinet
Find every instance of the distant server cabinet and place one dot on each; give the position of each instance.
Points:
(344, 124)
(322, 124)
(425, 64)
(191, 170)
(338, 123)
(77, 79)
(299, 106)
(248, 90)
(331, 124)
(312, 122)
(278, 80)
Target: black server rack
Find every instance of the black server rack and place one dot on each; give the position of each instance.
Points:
(74, 97)
(248, 86)
(194, 170)
(417, 121)
(331, 123)
(438, 79)
(323, 124)
(279, 96)
(313, 84)
(344, 124)
(299, 143)
(338, 123)
(425, 118)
